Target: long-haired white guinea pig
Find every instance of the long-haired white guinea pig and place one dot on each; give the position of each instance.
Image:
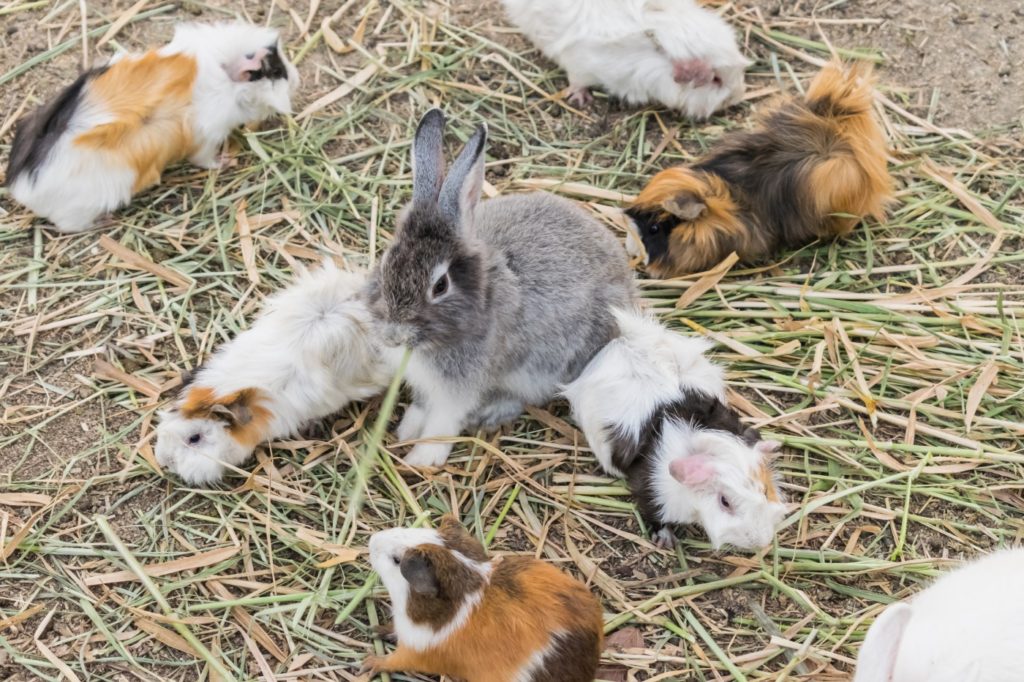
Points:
(653, 410)
(112, 132)
(309, 353)
(673, 52)
(967, 627)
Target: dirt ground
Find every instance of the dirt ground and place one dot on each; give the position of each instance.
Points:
(74, 438)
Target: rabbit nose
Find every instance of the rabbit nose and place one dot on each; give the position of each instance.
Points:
(396, 334)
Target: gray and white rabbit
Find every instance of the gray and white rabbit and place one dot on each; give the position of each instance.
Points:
(501, 302)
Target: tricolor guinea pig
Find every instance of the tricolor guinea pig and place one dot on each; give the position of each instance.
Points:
(309, 354)
(653, 410)
(673, 52)
(966, 627)
(811, 169)
(112, 132)
(462, 614)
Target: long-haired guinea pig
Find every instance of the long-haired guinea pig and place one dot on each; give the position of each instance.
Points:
(653, 410)
(112, 132)
(309, 353)
(966, 627)
(461, 614)
(811, 169)
(673, 52)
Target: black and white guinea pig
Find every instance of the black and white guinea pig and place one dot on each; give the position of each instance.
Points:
(462, 614)
(653, 410)
(112, 132)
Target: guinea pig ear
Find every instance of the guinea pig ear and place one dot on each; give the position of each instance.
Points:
(461, 189)
(242, 69)
(768, 448)
(692, 471)
(685, 205)
(751, 437)
(456, 537)
(428, 157)
(235, 413)
(419, 572)
(877, 658)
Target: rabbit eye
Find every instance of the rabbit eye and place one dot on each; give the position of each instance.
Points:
(194, 438)
(726, 504)
(440, 287)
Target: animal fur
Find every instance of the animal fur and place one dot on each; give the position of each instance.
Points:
(673, 52)
(309, 354)
(653, 410)
(112, 132)
(811, 169)
(461, 614)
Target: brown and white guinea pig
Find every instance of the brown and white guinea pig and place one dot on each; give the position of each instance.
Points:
(811, 169)
(653, 410)
(459, 613)
(112, 132)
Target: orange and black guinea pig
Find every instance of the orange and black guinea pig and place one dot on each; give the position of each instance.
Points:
(812, 168)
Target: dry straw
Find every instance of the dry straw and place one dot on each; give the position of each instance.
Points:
(890, 364)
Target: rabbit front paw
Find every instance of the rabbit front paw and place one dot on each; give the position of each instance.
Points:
(428, 455)
(411, 425)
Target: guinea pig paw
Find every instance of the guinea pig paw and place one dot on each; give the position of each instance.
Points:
(664, 538)
(385, 632)
(579, 96)
(371, 665)
(428, 455)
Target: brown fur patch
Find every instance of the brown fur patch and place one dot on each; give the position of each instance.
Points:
(458, 538)
(247, 420)
(525, 602)
(148, 98)
(767, 478)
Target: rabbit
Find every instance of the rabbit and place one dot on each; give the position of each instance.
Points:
(499, 302)
(112, 132)
(672, 52)
(653, 410)
(459, 613)
(811, 169)
(309, 353)
(966, 627)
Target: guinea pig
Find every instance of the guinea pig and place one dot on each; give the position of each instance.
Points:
(653, 410)
(309, 353)
(812, 168)
(459, 613)
(966, 627)
(673, 52)
(112, 132)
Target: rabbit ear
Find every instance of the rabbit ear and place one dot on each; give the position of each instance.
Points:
(461, 189)
(877, 657)
(428, 157)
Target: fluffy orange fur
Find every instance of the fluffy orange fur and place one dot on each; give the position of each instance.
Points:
(768, 481)
(828, 145)
(148, 98)
(242, 410)
(508, 627)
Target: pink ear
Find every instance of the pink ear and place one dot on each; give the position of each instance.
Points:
(695, 72)
(767, 447)
(693, 470)
(241, 70)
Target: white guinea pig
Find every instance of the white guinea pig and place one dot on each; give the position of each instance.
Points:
(966, 627)
(669, 51)
(308, 354)
(653, 410)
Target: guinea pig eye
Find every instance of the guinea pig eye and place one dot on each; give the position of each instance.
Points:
(440, 287)
(250, 55)
(194, 438)
(653, 229)
(397, 559)
(726, 504)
